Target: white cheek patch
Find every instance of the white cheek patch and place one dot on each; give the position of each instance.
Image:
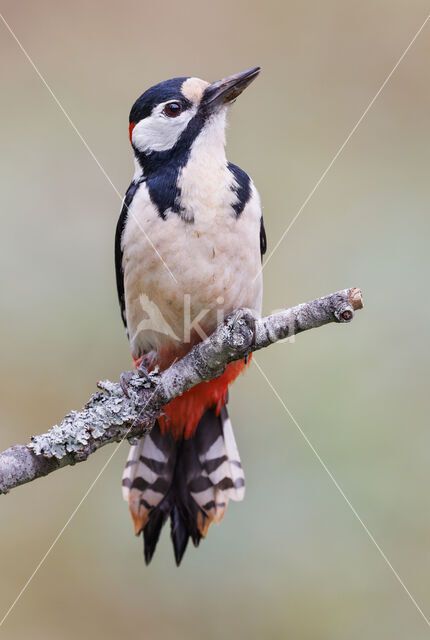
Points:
(158, 132)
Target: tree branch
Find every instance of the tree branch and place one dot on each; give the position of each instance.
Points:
(111, 416)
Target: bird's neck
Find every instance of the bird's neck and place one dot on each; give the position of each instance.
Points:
(188, 179)
(204, 182)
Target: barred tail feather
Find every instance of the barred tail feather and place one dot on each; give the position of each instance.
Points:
(148, 475)
(189, 480)
(220, 477)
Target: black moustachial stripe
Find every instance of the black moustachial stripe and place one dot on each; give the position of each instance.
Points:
(241, 187)
(161, 168)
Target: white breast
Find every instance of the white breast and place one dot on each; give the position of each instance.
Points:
(207, 266)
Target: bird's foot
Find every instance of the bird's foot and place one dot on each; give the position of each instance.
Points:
(242, 329)
(143, 372)
(124, 381)
(147, 378)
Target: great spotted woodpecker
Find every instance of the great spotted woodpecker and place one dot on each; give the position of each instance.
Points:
(188, 250)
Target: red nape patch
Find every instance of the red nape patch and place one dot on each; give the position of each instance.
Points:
(182, 415)
(130, 129)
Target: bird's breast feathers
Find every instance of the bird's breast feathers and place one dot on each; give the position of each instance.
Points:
(195, 266)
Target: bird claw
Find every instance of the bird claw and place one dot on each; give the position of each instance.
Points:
(242, 328)
(126, 376)
(143, 372)
(124, 381)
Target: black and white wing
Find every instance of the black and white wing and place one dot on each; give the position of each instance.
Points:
(118, 248)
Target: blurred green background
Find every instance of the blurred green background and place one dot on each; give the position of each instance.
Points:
(291, 561)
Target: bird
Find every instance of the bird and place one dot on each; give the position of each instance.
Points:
(188, 251)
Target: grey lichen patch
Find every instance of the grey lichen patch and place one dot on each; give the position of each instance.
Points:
(106, 409)
(103, 411)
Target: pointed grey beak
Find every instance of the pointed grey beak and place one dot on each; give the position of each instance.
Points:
(226, 90)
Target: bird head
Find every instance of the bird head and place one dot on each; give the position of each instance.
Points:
(168, 117)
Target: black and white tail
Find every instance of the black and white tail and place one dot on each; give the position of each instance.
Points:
(189, 480)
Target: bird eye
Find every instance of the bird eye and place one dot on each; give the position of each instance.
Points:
(172, 109)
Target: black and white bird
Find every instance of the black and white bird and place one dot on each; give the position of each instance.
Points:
(188, 251)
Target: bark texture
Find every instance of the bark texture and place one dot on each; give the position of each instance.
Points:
(110, 415)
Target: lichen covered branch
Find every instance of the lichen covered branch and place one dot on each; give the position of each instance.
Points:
(110, 415)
